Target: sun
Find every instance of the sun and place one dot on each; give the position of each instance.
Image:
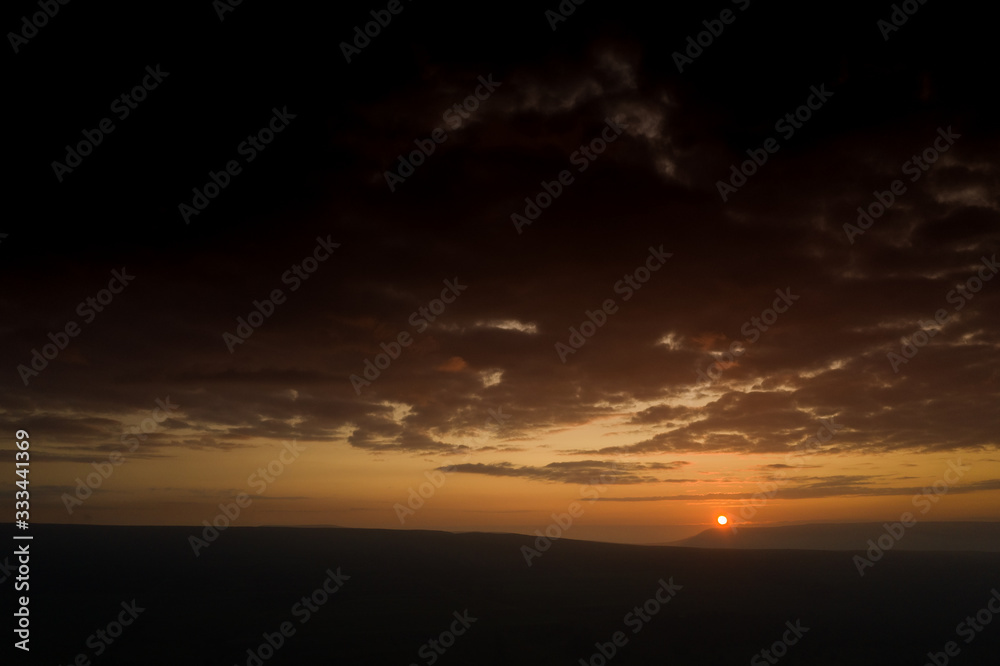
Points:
(722, 520)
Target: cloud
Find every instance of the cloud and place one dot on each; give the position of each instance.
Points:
(578, 472)
(826, 357)
(835, 487)
(453, 364)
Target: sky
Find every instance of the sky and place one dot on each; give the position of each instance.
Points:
(591, 268)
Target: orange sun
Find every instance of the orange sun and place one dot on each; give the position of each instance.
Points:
(722, 520)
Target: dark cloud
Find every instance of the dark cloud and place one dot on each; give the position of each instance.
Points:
(832, 487)
(578, 472)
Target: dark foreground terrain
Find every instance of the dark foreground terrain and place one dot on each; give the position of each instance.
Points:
(405, 588)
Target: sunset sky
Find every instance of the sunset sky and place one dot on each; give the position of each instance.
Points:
(493, 386)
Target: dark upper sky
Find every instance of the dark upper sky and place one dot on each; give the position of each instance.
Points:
(655, 185)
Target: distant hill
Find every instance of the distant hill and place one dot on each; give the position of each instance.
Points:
(924, 536)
